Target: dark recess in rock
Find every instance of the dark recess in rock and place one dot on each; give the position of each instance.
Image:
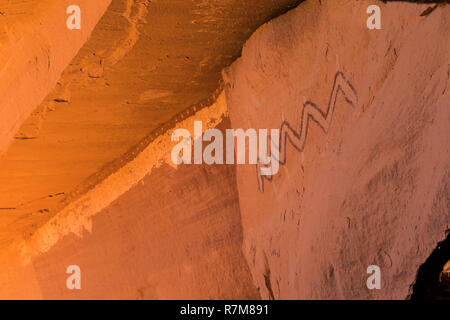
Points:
(432, 281)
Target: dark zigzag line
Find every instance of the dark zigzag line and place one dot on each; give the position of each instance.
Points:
(310, 111)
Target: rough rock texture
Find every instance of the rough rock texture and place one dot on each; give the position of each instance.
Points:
(172, 234)
(145, 62)
(141, 247)
(35, 47)
(369, 187)
(148, 231)
(158, 241)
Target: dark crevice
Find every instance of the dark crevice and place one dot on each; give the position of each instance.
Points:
(432, 281)
(267, 281)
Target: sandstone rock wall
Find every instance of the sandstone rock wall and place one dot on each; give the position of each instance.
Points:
(35, 47)
(365, 178)
(151, 230)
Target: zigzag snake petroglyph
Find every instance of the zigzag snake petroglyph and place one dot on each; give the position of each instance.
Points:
(310, 111)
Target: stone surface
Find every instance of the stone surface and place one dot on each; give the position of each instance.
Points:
(365, 182)
(145, 62)
(369, 187)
